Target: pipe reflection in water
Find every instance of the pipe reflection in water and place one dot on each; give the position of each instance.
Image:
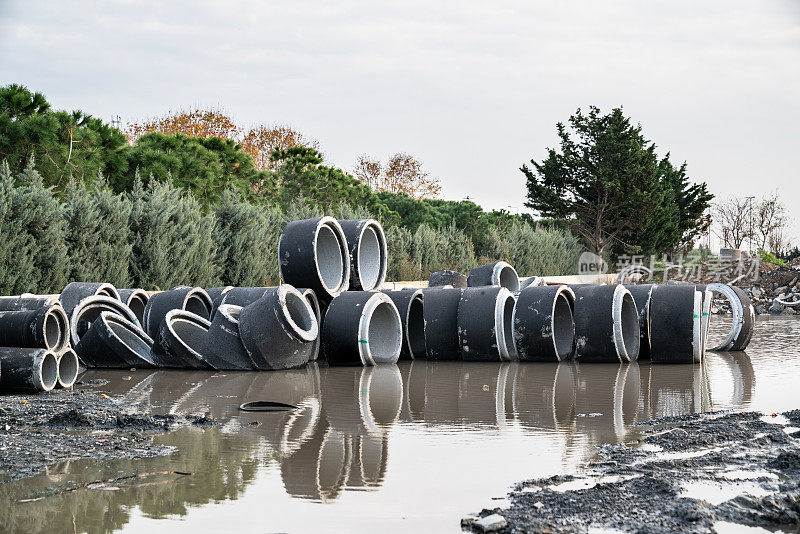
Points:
(671, 390)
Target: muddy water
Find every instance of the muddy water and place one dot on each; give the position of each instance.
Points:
(413, 446)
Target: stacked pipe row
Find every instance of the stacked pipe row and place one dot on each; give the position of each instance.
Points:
(331, 307)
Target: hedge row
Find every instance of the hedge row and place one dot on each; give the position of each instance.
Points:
(158, 236)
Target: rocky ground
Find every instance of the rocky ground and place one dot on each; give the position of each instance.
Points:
(776, 282)
(39, 430)
(696, 473)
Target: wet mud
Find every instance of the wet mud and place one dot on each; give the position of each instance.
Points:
(39, 430)
(691, 473)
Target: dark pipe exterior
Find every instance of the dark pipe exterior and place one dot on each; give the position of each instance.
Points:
(482, 333)
(536, 317)
(136, 300)
(410, 304)
(313, 301)
(26, 303)
(193, 299)
(216, 294)
(675, 324)
(180, 340)
(113, 342)
(354, 232)
(271, 336)
(441, 323)
(598, 334)
(223, 348)
(27, 369)
(90, 309)
(447, 278)
(242, 296)
(75, 292)
(641, 296)
(45, 328)
(498, 273)
(297, 256)
(748, 320)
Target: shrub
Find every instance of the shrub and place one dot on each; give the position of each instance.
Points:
(534, 251)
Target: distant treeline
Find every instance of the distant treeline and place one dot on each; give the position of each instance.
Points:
(157, 235)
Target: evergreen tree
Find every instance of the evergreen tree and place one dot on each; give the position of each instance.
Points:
(246, 237)
(41, 216)
(172, 240)
(17, 271)
(534, 251)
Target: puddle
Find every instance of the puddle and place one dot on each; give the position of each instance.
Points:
(409, 447)
(715, 493)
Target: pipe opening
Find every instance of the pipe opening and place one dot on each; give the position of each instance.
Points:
(67, 369)
(298, 312)
(189, 333)
(52, 331)
(415, 328)
(725, 328)
(630, 326)
(384, 333)
(230, 311)
(508, 278)
(137, 305)
(370, 259)
(508, 328)
(197, 306)
(48, 372)
(563, 327)
(330, 262)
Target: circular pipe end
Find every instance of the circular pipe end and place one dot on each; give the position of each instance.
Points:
(415, 327)
(504, 275)
(504, 325)
(626, 325)
(331, 256)
(380, 331)
(46, 372)
(562, 327)
(371, 256)
(67, 368)
(298, 313)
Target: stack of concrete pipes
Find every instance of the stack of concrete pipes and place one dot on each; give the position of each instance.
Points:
(330, 307)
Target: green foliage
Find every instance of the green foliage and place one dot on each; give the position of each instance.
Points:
(414, 256)
(247, 240)
(535, 251)
(607, 180)
(63, 143)
(15, 246)
(172, 240)
(769, 257)
(98, 234)
(206, 167)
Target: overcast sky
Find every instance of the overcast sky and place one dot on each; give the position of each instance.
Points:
(473, 89)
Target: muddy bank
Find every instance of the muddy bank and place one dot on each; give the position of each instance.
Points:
(42, 429)
(691, 473)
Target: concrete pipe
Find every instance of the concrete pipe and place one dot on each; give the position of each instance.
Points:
(544, 330)
(90, 309)
(313, 253)
(216, 294)
(486, 325)
(26, 303)
(75, 292)
(181, 339)
(313, 301)
(278, 330)
(447, 278)
(641, 296)
(744, 318)
(223, 349)
(675, 324)
(440, 316)
(242, 296)
(366, 244)
(409, 304)
(705, 320)
(27, 369)
(362, 328)
(113, 342)
(495, 274)
(606, 324)
(45, 328)
(192, 299)
(136, 300)
(67, 369)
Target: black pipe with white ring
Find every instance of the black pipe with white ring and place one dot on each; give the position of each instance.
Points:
(410, 304)
(498, 273)
(192, 299)
(27, 369)
(606, 324)
(641, 296)
(485, 324)
(136, 300)
(544, 330)
(440, 313)
(676, 324)
(366, 245)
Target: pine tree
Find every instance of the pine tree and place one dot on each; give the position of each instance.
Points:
(42, 218)
(17, 271)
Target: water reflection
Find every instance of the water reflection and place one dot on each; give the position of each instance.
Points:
(339, 438)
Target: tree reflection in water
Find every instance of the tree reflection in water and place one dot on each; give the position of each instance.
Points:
(338, 438)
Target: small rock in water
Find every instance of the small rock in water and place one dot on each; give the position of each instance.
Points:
(761, 309)
(491, 523)
(776, 309)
